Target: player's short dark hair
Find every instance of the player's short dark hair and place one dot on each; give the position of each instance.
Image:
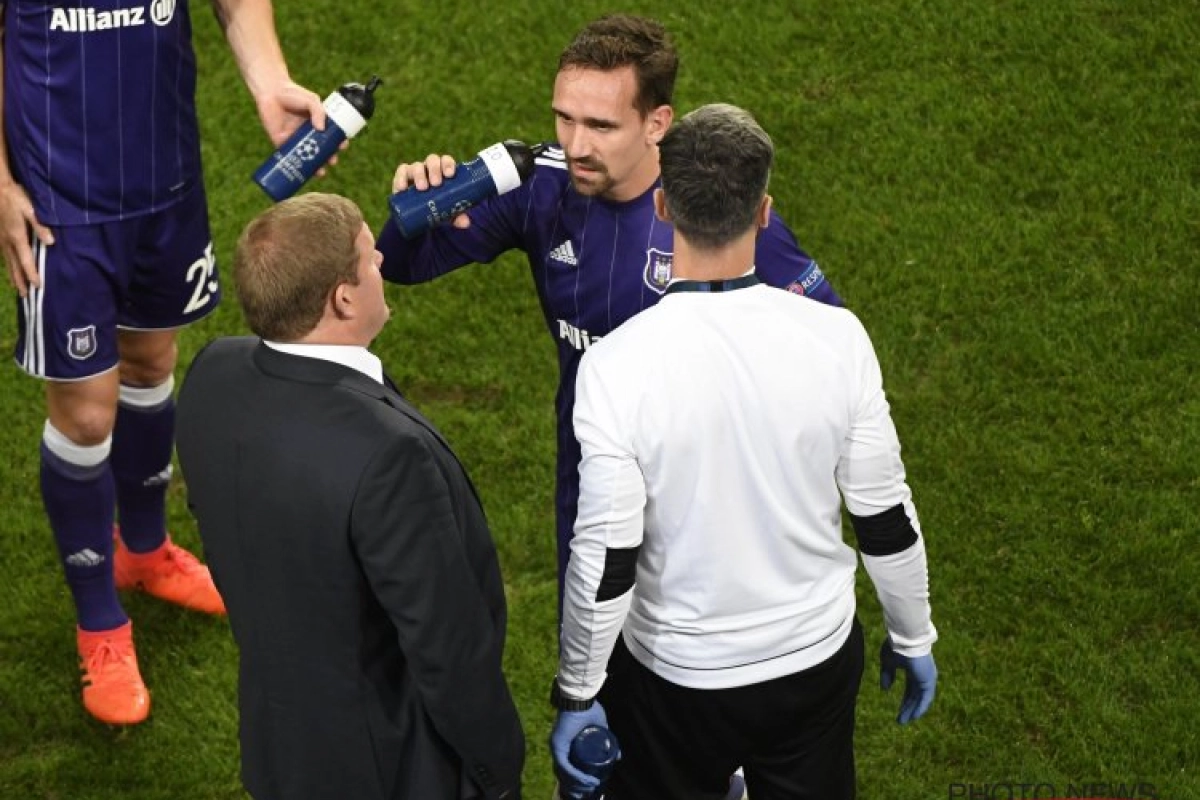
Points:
(622, 40)
(716, 162)
(290, 258)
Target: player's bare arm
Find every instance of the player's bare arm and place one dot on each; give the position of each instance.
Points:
(283, 105)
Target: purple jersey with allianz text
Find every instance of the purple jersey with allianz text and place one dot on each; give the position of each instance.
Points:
(99, 108)
(594, 263)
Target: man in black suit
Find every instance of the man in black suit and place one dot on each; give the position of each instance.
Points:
(349, 545)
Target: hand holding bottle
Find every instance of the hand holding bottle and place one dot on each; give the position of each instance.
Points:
(309, 148)
(583, 751)
(437, 190)
(428, 174)
(285, 106)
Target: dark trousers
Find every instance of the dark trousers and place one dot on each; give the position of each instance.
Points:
(794, 736)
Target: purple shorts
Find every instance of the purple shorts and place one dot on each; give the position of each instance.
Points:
(153, 272)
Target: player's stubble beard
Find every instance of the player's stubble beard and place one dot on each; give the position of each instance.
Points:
(596, 184)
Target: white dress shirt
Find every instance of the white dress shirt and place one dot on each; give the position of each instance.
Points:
(352, 356)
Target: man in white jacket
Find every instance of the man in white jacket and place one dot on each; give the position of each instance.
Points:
(722, 430)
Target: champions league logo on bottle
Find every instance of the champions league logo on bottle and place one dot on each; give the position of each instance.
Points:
(657, 272)
(307, 150)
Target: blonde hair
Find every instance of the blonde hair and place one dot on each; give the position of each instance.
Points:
(290, 258)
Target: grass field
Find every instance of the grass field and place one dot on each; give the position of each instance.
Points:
(1007, 192)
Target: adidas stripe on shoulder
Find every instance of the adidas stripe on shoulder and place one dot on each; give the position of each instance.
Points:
(552, 156)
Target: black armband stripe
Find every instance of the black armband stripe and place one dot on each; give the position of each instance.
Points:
(886, 533)
(620, 568)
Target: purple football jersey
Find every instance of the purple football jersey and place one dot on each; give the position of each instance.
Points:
(595, 264)
(99, 106)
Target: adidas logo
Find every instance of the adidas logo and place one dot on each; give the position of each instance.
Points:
(161, 479)
(565, 253)
(84, 558)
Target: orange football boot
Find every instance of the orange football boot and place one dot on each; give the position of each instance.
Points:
(169, 573)
(113, 691)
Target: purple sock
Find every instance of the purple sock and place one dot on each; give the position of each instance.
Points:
(80, 502)
(141, 464)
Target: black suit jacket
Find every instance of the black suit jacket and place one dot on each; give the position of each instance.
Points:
(361, 582)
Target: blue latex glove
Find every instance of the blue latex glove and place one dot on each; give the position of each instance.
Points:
(573, 784)
(920, 683)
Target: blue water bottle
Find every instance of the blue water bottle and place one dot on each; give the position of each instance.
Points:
(594, 751)
(308, 149)
(497, 169)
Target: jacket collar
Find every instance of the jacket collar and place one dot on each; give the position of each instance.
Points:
(303, 369)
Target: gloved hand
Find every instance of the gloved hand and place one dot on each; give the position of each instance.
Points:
(920, 683)
(573, 784)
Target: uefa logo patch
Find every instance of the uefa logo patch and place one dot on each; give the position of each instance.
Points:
(806, 282)
(657, 272)
(81, 343)
(161, 11)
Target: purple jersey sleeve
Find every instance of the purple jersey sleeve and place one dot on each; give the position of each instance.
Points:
(445, 248)
(780, 262)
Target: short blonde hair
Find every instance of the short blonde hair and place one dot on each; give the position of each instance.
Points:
(290, 258)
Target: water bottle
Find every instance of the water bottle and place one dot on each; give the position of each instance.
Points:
(594, 751)
(496, 170)
(308, 149)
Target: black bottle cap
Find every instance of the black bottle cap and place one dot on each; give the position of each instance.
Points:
(361, 97)
(522, 156)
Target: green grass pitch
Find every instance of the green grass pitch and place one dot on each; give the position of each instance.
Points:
(1006, 191)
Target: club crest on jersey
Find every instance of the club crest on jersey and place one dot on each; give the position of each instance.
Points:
(81, 342)
(657, 273)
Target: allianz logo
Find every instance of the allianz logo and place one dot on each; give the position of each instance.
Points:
(86, 20)
(576, 337)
